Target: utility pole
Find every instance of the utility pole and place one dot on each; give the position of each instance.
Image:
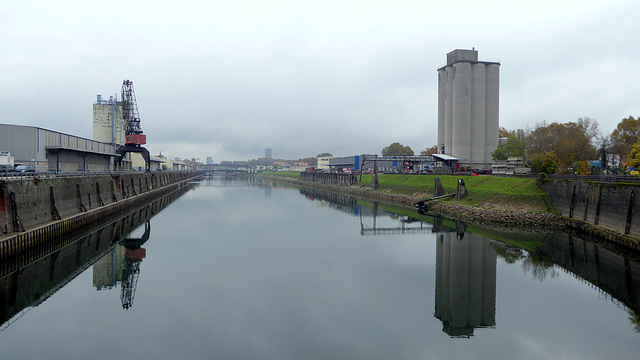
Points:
(374, 180)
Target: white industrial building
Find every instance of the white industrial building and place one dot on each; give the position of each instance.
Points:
(323, 163)
(468, 99)
(108, 124)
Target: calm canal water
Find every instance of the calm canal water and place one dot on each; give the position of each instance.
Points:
(241, 269)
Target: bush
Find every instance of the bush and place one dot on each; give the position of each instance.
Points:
(542, 178)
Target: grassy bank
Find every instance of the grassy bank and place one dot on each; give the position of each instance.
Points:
(500, 193)
(506, 193)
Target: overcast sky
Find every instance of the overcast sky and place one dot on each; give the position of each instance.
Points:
(230, 78)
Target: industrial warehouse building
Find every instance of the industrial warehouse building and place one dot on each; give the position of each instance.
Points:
(389, 164)
(49, 150)
(54, 151)
(468, 99)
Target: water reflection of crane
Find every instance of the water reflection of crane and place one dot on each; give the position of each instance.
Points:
(134, 254)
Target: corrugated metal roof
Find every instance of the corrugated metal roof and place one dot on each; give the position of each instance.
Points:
(444, 157)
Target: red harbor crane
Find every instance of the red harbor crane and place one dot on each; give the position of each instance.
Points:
(134, 138)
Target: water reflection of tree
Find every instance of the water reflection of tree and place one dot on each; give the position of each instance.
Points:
(531, 262)
(539, 268)
(509, 256)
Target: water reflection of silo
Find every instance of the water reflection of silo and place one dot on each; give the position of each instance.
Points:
(465, 283)
(108, 270)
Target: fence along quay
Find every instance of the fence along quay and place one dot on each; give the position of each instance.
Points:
(33, 210)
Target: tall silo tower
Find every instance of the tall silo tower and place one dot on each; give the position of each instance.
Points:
(468, 97)
(108, 123)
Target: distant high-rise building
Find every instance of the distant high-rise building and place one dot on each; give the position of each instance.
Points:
(468, 98)
(209, 160)
(108, 124)
(267, 153)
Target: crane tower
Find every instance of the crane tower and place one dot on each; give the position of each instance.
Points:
(134, 139)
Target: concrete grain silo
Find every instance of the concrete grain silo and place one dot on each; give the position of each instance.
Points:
(108, 123)
(468, 97)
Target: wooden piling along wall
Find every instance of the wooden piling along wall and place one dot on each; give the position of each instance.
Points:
(35, 209)
(334, 198)
(612, 206)
(329, 178)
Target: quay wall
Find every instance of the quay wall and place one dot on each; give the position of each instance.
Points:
(29, 203)
(611, 206)
(30, 277)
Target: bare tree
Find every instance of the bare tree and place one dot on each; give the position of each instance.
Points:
(590, 128)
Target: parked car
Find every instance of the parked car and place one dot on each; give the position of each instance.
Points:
(25, 169)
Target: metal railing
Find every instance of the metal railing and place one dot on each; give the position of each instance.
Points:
(616, 179)
(598, 178)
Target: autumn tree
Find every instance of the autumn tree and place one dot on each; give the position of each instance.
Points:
(504, 132)
(583, 168)
(634, 156)
(544, 162)
(625, 135)
(429, 151)
(514, 145)
(570, 142)
(396, 149)
(519, 134)
(312, 161)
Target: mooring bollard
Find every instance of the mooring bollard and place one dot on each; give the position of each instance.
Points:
(461, 190)
(438, 190)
